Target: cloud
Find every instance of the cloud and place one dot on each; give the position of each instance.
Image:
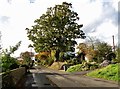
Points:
(90, 28)
(105, 32)
(9, 1)
(108, 12)
(4, 19)
(32, 1)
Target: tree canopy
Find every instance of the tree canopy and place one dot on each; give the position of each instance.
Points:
(56, 29)
(101, 51)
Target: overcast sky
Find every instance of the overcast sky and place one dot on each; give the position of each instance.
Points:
(99, 19)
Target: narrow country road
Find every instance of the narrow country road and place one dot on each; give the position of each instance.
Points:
(42, 77)
(36, 79)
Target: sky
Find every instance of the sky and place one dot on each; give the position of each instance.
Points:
(99, 19)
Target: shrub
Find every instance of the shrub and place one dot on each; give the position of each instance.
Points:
(74, 68)
(8, 62)
(14, 66)
(83, 67)
(109, 72)
(49, 62)
(116, 60)
(42, 55)
(73, 61)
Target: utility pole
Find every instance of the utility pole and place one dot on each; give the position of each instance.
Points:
(113, 43)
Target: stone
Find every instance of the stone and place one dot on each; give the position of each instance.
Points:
(105, 63)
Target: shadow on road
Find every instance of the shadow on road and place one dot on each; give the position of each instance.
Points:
(36, 81)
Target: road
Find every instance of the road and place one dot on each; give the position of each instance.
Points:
(36, 79)
(42, 77)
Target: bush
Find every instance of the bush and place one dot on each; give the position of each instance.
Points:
(116, 60)
(74, 68)
(49, 62)
(14, 66)
(73, 61)
(8, 63)
(109, 72)
(42, 55)
(83, 67)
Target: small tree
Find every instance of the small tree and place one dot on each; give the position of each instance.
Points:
(103, 49)
(26, 56)
(7, 60)
(86, 50)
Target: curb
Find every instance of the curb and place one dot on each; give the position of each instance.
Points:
(101, 79)
(54, 84)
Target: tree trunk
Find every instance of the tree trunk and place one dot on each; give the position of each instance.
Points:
(57, 54)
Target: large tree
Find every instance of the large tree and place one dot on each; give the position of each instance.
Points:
(56, 29)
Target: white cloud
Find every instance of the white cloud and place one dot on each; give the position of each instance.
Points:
(105, 32)
(107, 28)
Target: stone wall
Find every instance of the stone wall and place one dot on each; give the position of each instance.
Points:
(17, 74)
(12, 78)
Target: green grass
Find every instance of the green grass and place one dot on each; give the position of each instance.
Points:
(109, 72)
(74, 68)
(82, 67)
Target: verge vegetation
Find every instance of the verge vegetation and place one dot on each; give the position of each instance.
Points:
(109, 72)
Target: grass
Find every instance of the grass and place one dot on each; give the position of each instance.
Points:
(74, 68)
(109, 72)
(82, 67)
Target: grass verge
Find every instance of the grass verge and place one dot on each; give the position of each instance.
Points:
(109, 72)
(74, 68)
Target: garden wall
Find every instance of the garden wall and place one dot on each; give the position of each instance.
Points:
(17, 74)
(12, 78)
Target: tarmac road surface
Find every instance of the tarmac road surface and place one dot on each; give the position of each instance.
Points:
(42, 77)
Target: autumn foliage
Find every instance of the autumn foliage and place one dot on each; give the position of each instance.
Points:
(42, 55)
